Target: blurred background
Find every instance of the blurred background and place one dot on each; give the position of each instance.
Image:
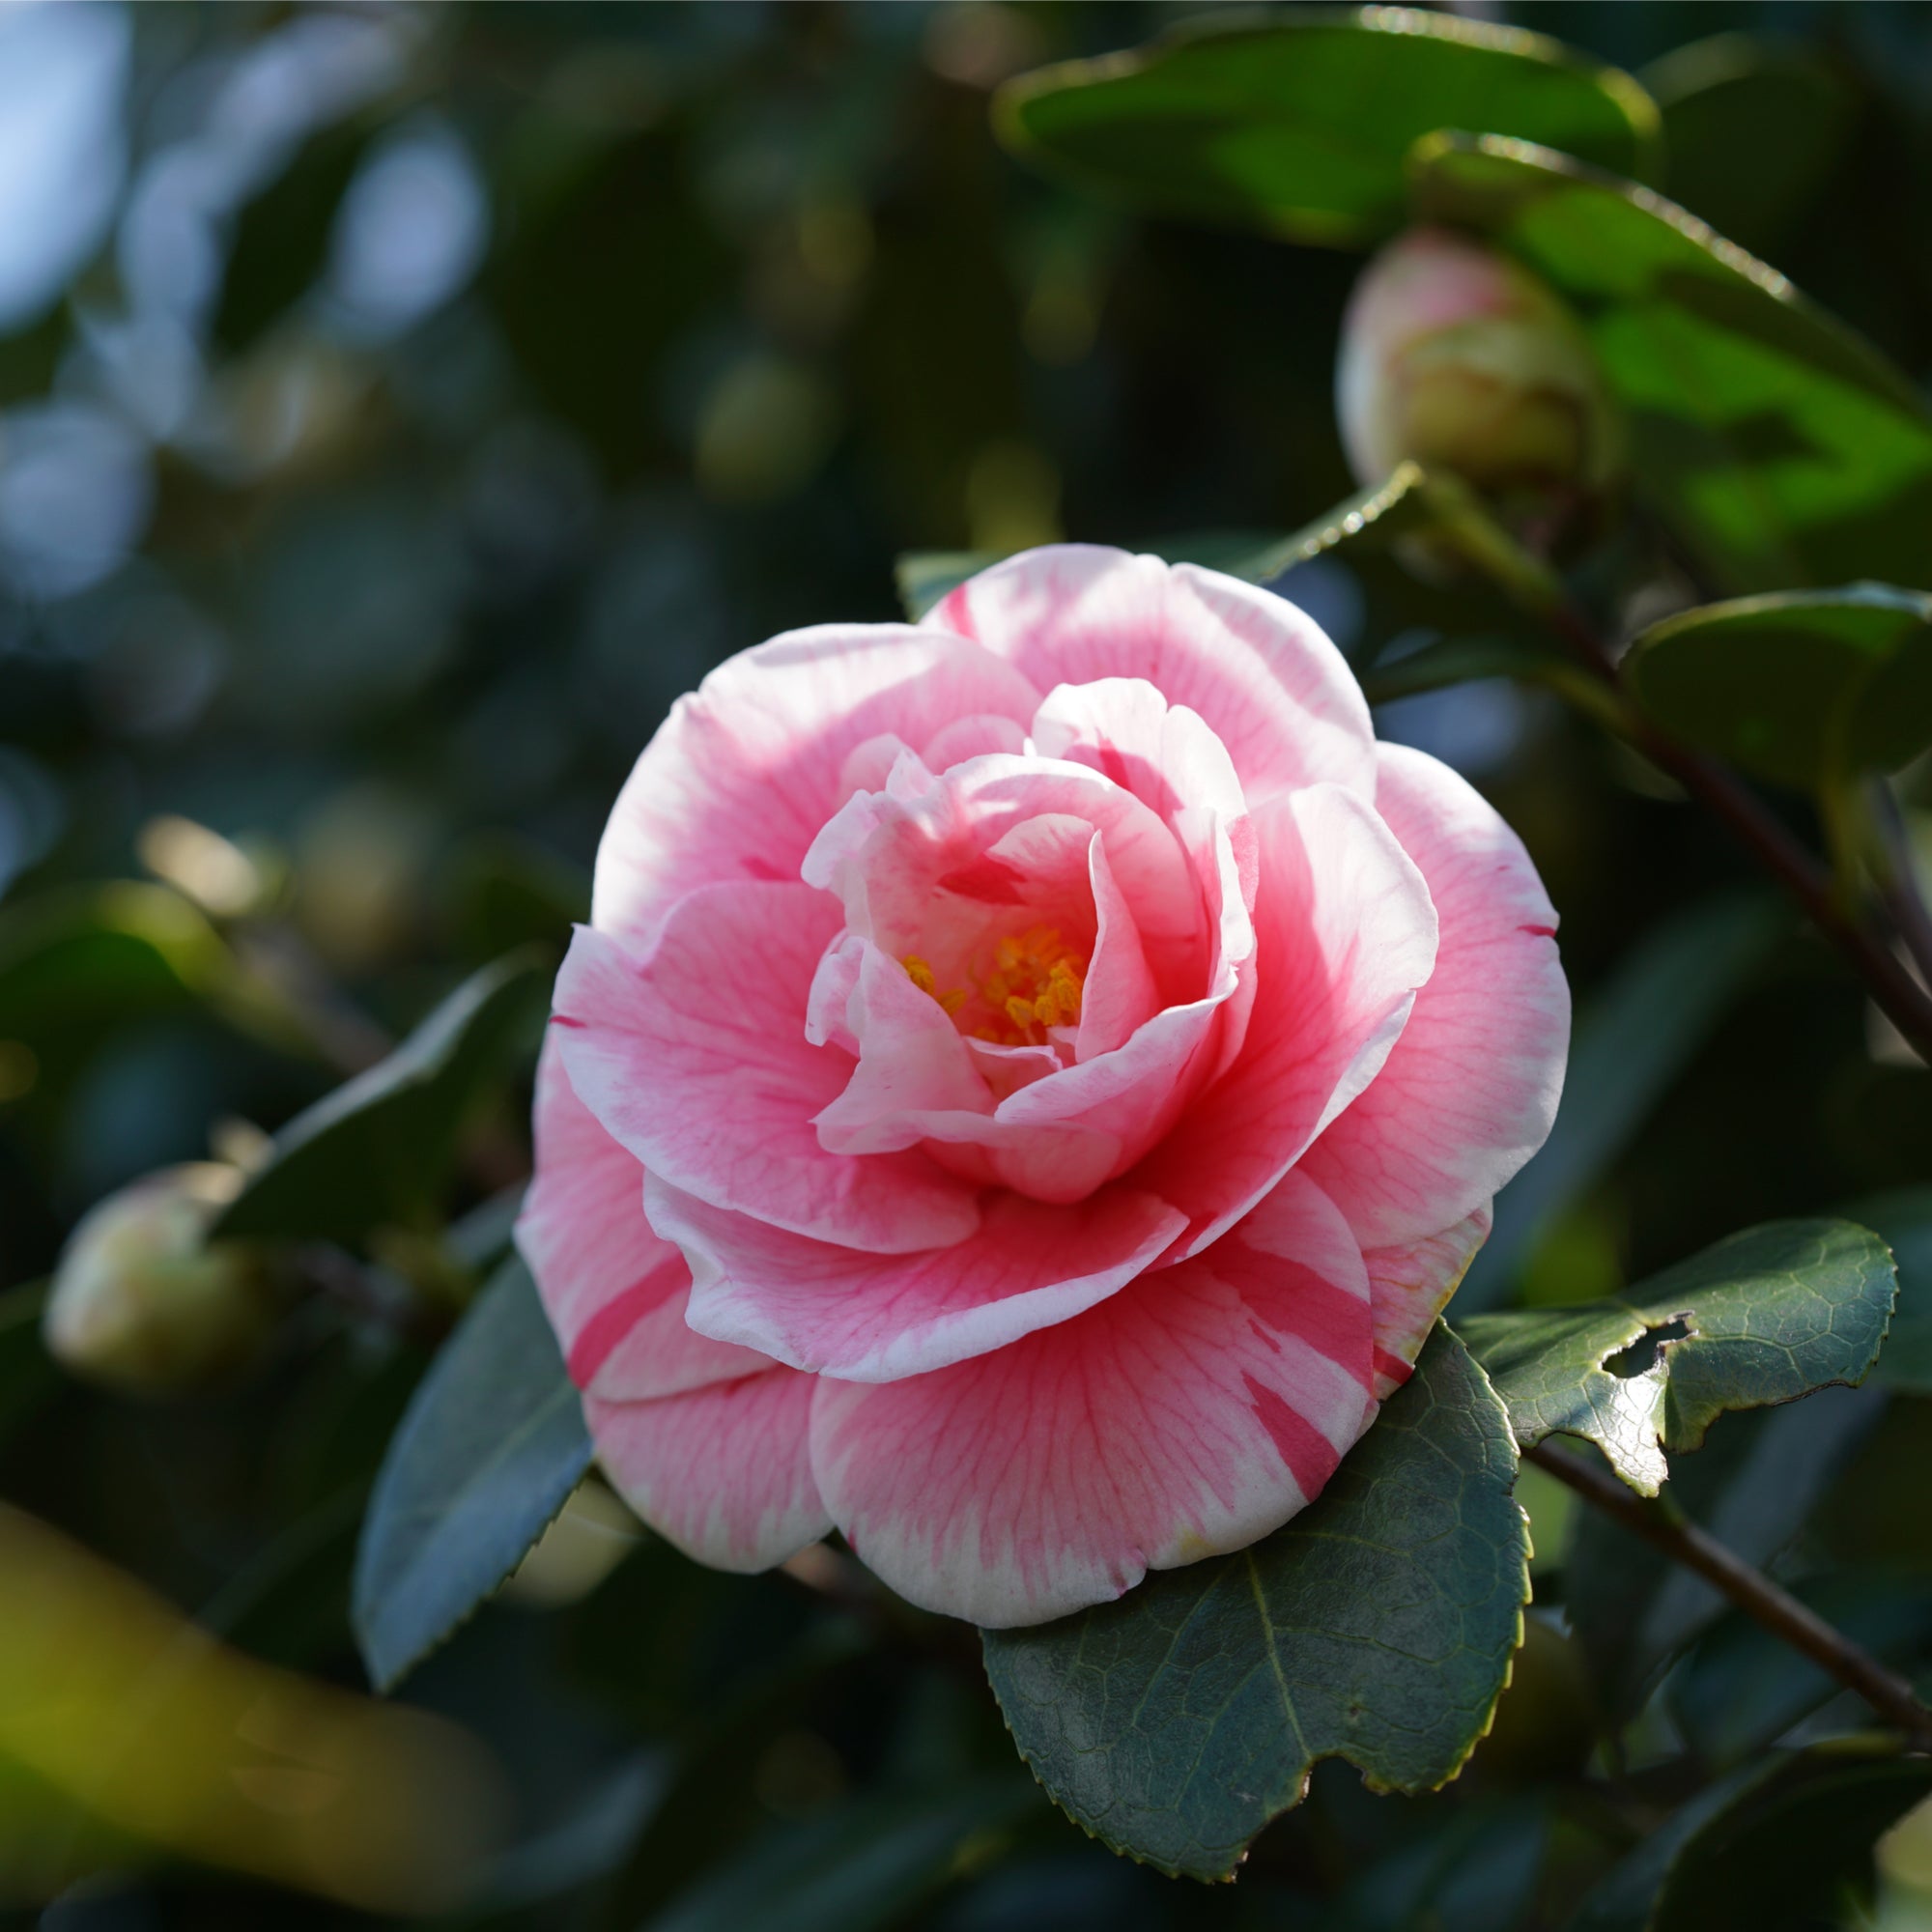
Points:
(399, 407)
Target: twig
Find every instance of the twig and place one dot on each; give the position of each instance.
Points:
(1776, 1609)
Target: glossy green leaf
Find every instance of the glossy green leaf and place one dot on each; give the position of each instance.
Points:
(1377, 1626)
(1782, 449)
(487, 1455)
(1299, 125)
(1752, 127)
(1903, 1219)
(1762, 1316)
(1803, 687)
(1786, 1843)
(377, 1150)
(1633, 1038)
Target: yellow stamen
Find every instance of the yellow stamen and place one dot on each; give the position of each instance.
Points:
(1036, 983)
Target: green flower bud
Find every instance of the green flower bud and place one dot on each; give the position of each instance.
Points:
(143, 1301)
(1457, 356)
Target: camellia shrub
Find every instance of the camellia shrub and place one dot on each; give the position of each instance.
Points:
(1056, 1150)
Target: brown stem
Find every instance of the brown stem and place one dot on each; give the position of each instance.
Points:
(1776, 1609)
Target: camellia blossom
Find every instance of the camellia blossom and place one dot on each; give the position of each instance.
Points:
(1030, 1082)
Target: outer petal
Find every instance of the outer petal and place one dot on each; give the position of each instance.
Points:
(742, 775)
(1411, 1285)
(614, 1291)
(1471, 1090)
(876, 1318)
(1345, 935)
(1195, 1410)
(723, 1472)
(694, 1058)
(1262, 672)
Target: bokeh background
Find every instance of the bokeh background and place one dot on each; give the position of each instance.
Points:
(399, 407)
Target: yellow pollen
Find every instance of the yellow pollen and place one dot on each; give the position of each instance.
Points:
(1035, 982)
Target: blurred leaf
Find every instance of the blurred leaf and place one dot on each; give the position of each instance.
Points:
(1467, 660)
(377, 1150)
(504, 892)
(865, 1865)
(1780, 447)
(1375, 1626)
(1300, 127)
(1802, 688)
(925, 576)
(1904, 1220)
(1778, 1846)
(489, 1452)
(1752, 129)
(1741, 1689)
(290, 1604)
(1759, 1318)
(1752, 1485)
(1633, 1038)
(27, 1373)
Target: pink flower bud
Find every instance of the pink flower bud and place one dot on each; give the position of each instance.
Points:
(143, 1301)
(1456, 355)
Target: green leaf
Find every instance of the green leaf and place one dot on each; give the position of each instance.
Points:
(1903, 1217)
(1752, 129)
(1300, 127)
(1375, 1626)
(1633, 1040)
(487, 1455)
(1762, 1316)
(867, 1863)
(377, 1150)
(27, 1373)
(1780, 1843)
(1803, 687)
(1782, 449)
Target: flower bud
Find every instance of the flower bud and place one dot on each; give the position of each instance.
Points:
(142, 1301)
(1457, 356)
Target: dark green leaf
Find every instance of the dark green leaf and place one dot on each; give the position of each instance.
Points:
(1753, 1485)
(1904, 1218)
(865, 1865)
(1300, 127)
(1636, 1036)
(1803, 688)
(1464, 660)
(1752, 129)
(1762, 1316)
(1780, 1844)
(490, 1449)
(1782, 449)
(377, 1150)
(1378, 1626)
(27, 1373)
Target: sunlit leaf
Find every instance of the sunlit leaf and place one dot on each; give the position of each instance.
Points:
(378, 1148)
(1762, 1316)
(490, 1449)
(1300, 127)
(1375, 1626)
(1782, 449)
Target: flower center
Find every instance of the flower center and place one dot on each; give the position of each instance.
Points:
(1034, 981)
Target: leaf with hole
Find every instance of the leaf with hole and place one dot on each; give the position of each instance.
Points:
(375, 1151)
(1298, 127)
(1803, 687)
(1377, 1626)
(489, 1451)
(1780, 448)
(1762, 1316)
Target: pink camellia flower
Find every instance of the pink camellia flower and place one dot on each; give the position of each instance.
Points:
(1028, 1083)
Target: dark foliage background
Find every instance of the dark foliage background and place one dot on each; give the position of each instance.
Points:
(399, 407)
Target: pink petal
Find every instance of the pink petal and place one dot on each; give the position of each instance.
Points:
(614, 1291)
(723, 1472)
(694, 1058)
(873, 1317)
(1346, 936)
(1411, 1285)
(1119, 992)
(742, 775)
(1263, 673)
(1471, 1090)
(1191, 1414)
